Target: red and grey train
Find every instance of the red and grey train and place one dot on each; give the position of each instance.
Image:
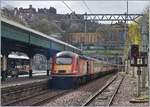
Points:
(69, 70)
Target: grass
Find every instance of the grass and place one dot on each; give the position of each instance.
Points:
(102, 52)
(146, 97)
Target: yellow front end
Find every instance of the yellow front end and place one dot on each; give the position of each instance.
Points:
(62, 69)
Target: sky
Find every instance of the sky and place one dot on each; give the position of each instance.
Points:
(108, 7)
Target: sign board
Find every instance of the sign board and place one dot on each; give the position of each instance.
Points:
(141, 61)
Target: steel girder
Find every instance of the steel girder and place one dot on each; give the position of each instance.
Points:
(105, 17)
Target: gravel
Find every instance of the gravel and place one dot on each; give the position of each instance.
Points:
(104, 98)
(80, 95)
(126, 93)
(31, 101)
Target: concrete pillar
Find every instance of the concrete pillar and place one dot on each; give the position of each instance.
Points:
(139, 82)
(133, 72)
(147, 79)
(4, 68)
(48, 66)
(145, 43)
(126, 66)
(31, 67)
(144, 75)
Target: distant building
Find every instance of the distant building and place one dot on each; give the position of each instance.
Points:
(28, 14)
(115, 38)
(29, 10)
(85, 38)
(51, 10)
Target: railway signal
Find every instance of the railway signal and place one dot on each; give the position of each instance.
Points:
(138, 58)
(134, 51)
(134, 54)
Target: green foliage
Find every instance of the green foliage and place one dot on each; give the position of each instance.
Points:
(43, 24)
(134, 35)
(134, 30)
(102, 52)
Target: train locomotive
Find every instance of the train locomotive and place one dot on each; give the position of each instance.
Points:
(69, 70)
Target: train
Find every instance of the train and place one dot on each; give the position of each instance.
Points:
(70, 70)
(17, 65)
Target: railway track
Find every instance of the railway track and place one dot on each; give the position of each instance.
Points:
(11, 95)
(78, 96)
(23, 99)
(45, 96)
(21, 90)
(45, 100)
(105, 96)
(37, 99)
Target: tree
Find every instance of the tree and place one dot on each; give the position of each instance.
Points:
(44, 25)
(134, 35)
(106, 30)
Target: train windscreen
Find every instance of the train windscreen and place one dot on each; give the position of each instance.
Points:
(64, 60)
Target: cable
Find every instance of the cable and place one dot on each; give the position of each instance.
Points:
(67, 6)
(87, 7)
(71, 10)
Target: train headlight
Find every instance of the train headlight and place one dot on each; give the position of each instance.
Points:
(75, 71)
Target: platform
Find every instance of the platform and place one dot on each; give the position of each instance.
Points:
(22, 80)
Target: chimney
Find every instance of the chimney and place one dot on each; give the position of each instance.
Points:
(30, 6)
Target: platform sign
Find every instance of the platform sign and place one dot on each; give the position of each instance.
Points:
(141, 61)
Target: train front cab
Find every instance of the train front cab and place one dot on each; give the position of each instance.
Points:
(68, 71)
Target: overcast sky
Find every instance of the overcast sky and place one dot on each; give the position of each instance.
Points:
(79, 6)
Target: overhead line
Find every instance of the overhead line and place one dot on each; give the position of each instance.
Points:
(67, 6)
(71, 9)
(87, 7)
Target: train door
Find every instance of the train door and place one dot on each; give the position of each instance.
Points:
(88, 67)
(78, 65)
(50, 65)
(83, 66)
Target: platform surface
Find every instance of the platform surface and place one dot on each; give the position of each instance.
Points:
(22, 80)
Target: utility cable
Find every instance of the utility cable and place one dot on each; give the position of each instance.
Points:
(71, 10)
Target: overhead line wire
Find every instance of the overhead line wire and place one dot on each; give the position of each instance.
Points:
(89, 9)
(67, 6)
(70, 9)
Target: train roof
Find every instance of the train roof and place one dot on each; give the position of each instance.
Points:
(68, 53)
(87, 57)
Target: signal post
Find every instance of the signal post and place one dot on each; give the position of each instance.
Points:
(138, 59)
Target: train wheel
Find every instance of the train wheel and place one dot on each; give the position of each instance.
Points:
(83, 80)
(77, 83)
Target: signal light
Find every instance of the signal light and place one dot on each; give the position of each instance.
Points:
(134, 51)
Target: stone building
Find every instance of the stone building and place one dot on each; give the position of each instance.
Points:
(113, 38)
(85, 38)
(51, 10)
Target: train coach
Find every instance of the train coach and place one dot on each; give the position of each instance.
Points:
(69, 70)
